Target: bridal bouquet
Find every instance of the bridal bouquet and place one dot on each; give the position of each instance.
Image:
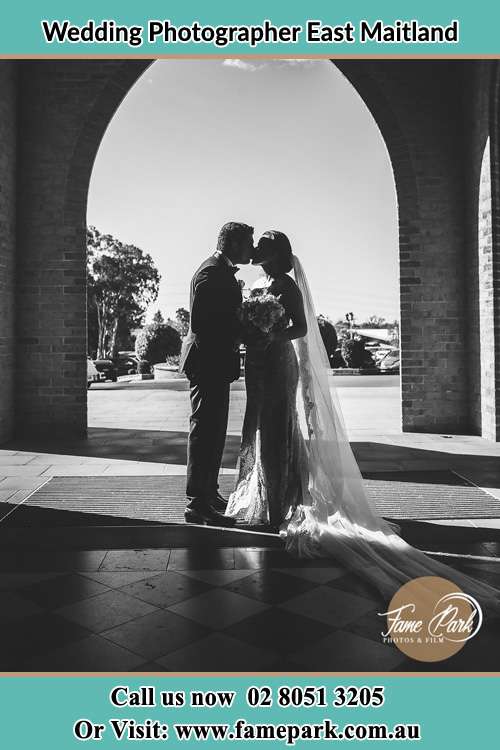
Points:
(262, 311)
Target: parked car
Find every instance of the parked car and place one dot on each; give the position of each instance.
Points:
(126, 363)
(337, 361)
(380, 352)
(93, 374)
(390, 363)
(107, 368)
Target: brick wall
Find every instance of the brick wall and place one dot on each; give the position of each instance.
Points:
(64, 109)
(7, 244)
(476, 127)
(479, 257)
(418, 107)
(427, 112)
(486, 307)
(495, 226)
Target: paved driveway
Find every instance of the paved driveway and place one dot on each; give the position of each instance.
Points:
(140, 428)
(370, 404)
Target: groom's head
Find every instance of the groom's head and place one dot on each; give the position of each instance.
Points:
(236, 242)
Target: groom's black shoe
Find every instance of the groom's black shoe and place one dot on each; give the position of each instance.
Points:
(218, 503)
(207, 516)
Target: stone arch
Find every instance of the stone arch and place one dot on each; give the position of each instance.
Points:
(64, 109)
(121, 79)
(493, 395)
(365, 85)
(485, 288)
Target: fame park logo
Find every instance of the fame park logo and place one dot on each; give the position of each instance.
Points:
(430, 619)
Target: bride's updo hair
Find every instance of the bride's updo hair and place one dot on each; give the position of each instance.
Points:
(274, 250)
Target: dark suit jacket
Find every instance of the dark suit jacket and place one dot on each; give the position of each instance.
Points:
(210, 350)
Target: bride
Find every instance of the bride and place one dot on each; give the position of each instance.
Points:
(297, 472)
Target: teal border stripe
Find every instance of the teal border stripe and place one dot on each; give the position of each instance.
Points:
(453, 712)
(21, 31)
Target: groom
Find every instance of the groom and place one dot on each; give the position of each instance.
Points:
(211, 361)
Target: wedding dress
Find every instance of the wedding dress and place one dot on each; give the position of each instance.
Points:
(297, 468)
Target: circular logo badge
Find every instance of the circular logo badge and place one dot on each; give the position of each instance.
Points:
(430, 619)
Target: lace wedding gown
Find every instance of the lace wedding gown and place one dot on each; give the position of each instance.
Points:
(297, 470)
(273, 452)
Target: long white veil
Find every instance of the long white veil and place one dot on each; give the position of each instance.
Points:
(336, 518)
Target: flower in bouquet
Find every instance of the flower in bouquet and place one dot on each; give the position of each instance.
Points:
(262, 311)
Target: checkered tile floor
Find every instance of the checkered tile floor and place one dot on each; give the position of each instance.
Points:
(200, 610)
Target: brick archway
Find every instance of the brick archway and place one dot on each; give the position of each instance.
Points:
(492, 396)
(427, 113)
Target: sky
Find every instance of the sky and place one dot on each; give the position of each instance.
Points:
(277, 144)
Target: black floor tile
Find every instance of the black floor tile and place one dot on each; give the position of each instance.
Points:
(491, 624)
(218, 652)
(62, 590)
(90, 654)
(35, 635)
(481, 654)
(270, 586)
(166, 588)
(279, 631)
(347, 652)
(202, 558)
(371, 625)
(285, 664)
(150, 666)
(353, 584)
(255, 557)
(156, 634)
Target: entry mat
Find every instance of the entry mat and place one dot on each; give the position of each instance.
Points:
(137, 500)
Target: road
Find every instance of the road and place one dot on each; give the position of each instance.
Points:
(370, 403)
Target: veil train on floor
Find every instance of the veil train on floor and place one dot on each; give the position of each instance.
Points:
(336, 518)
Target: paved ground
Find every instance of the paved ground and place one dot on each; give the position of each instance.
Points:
(153, 608)
(197, 610)
(370, 404)
(140, 428)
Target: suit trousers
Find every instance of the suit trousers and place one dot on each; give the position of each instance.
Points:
(207, 437)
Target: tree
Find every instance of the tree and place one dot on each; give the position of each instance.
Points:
(156, 342)
(342, 329)
(375, 321)
(182, 319)
(122, 282)
(355, 354)
(158, 317)
(131, 316)
(395, 333)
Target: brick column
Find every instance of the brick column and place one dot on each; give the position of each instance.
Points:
(7, 244)
(486, 334)
(418, 107)
(51, 305)
(495, 254)
(65, 107)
